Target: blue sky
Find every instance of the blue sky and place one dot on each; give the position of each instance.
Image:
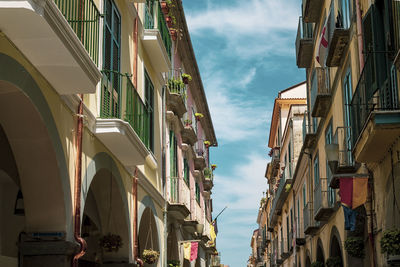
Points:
(246, 54)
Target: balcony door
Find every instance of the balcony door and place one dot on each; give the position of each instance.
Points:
(347, 94)
(111, 61)
(344, 13)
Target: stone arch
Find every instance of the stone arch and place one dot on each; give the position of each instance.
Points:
(100, 167)
(36, 145)
(320, 251)
(335, 244)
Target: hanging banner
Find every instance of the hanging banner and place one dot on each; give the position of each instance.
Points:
(323, 45)
(190, 250)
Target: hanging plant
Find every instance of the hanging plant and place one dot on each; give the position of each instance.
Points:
(164, 7)
(168, 19)
(150, 256)
(186, 78)
(111, 242)
(334, 262)
(213, 166)
(355, 247)
(390, 242)
(198, 116)
(174, 263)
(317, 264)
(174, 33)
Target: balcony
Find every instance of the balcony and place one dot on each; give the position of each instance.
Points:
(304, 44)
(188, 133)
(198, 215)
(208, 180)
(338, 33)
(200, 156)
(320, 93)
(309, 132)
(178, 204)
(324, 201)
(60, 38)
(285, 183)
(375, 112)
(127, 136)
(156, 38)
(344, 162)
(176, 93)
(310, 225)
(275, 160)
(312, 10)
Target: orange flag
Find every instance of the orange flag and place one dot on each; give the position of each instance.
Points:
(360, 191)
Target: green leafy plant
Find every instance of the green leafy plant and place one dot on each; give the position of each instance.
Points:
(262, 201)
(174, 263)
(207, 143)
(317, 264)
(198, 115)
(187, 122)
(150, 256)
(176, 85)
(207, 173)
(334, 262)
(186, 76)
(390, 242)
(213, 166)
(111, 242)
(355, 247)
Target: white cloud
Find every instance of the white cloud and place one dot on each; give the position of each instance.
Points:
(250, 28)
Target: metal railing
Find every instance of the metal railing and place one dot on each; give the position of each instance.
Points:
(319, 85)
(321, 196)
(308, 127)
(396, 24)
(174, 193)
(84, 18)
(374, 92)
(343, 138)
(150, 23)
(308, 216)
(136, 112)
(208, 174)
(175, 84)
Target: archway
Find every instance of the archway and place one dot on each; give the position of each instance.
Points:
(37, 176)
(104, 222)
(320, 252)
(308, 259)
(148, 234)
(335, 250)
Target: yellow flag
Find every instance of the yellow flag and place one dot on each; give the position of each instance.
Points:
(212, 233)
(187, 247)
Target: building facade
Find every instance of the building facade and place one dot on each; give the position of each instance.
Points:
(344, 185)
(96, 144)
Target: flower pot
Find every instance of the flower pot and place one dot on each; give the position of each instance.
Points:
(174, 34)
(185, 80)
(164, 8)
(168, 19)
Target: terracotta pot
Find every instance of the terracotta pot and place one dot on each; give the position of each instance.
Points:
(173, 34)
(186, 81)
(168, 19)
(164, 8)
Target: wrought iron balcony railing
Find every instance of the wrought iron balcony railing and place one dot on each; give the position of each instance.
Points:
(84, 18)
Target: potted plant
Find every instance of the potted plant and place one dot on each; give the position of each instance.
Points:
(174, 33)
(262, 201)
(188, 122)
(174, 263)
(334, 262)
(168, 19)
(207, 173)
(165, 7)
(175, 85)
(111, 242)
(213, 166)
(390, 242)
(207, 144)
(198, 116)
(186, 78)
(150, 256)
(355, 247)
(317, 264)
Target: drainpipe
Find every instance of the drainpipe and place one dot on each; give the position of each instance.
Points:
(135, 219)
(78, 184)
(135, 41)
(164, 177)
(360, 36)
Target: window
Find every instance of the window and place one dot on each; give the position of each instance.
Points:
(329, 140)
(197, 193)
(111, 61)
(149, 103)
(290, 159)
(348, 91)
(173, 152)
(186, 171)
(316, 170)
(344, 14)
(304, 195)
